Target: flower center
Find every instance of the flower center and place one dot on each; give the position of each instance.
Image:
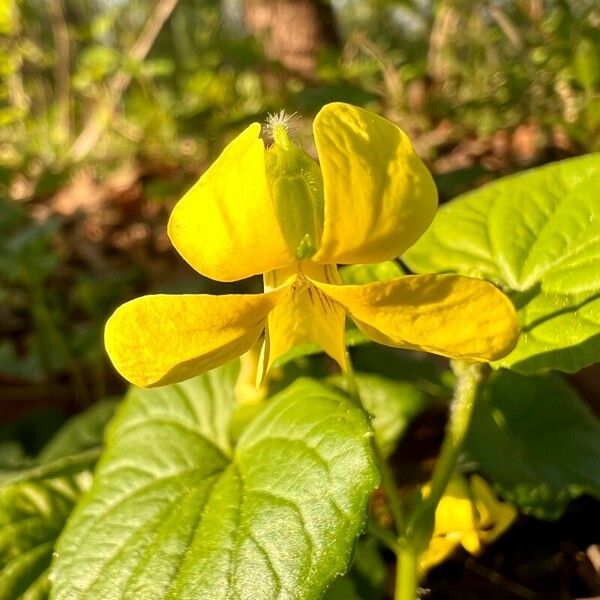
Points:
(303, 286)
(297, 190)
(302, 273)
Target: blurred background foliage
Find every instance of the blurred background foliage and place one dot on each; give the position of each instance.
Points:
(110, 109)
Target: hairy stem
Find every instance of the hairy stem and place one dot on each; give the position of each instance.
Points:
(470, 377)
(414, 532)
(419, 527)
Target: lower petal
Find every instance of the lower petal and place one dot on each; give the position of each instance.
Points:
(455, 316)
(306, 316)
(162, 339)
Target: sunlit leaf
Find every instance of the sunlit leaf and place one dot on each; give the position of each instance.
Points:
(360, 274)
(537, 235)
(177, 512)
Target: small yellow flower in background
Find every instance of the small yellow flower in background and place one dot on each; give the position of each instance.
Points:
(279, 213)
(468, 515)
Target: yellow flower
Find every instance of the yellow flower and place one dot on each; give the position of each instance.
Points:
(278, 212)
(469, 514)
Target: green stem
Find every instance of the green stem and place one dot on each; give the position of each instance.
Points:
(407, 573)
(420, 524)
(415, 532)
(470, 377)
(384, 535)
(388, 480)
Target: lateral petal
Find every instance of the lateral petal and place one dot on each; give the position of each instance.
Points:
(162, 339)
(225, 226)
(379, 196)
(455, 316)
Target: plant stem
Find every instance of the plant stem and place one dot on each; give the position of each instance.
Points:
(388, 481)
(384, 535)
(415, 532)
(419, 528)
(470, 377)
(407, 573)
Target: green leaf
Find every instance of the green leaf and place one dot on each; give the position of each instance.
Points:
(432, 377)
(392, 404)
(177, 512)
(536, 441)
(32, 515)
(67, 465)
(537, 235)
(82, 432)
(353, 337)
(342, 588)
(586, 63)
(73, 449)
(361, 274)
(368, 577)
(36, 501)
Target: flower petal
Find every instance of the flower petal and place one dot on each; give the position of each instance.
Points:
(306, 316)
(225, 226)
(451, 315)
(379, 196)
(161, 339)
(495, 516)
(455, 512)
(440, 548)
(454, 521)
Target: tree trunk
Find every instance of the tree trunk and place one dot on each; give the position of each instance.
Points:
(292, 31)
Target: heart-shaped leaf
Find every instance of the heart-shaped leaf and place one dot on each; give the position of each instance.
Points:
(177, 512)
(537, 235)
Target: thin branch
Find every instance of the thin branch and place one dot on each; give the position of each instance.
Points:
(60, 33)
(119, 82)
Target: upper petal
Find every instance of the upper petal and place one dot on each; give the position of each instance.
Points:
(379, 196)
(455, 316)
(225, 226)
(161, 339)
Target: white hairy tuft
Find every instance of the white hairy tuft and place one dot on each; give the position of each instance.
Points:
(280, 119)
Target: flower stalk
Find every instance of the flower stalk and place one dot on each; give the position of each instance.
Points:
(419, 527)
(407, 573)
(414, 531)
